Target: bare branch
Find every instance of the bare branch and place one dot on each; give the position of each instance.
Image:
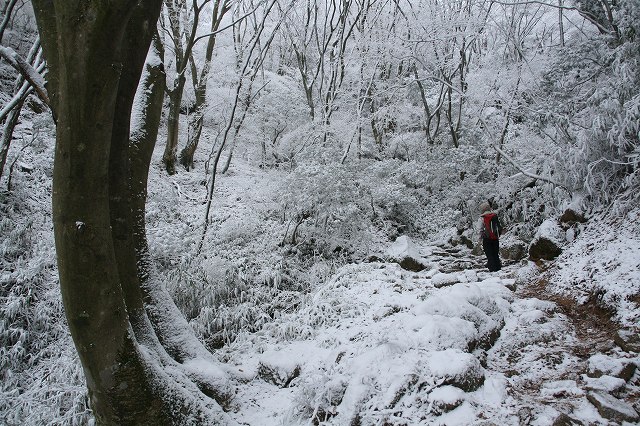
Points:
(240, 19)
(27, 71)
(526, 173)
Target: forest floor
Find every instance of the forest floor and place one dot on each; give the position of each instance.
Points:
(382, 345)
(372, 344)
(452, 344)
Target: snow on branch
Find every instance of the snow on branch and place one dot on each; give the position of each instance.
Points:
(526, 173)
(28, 72)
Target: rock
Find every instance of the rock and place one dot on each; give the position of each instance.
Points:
(477, 250)
(461, 238)
(612, 408)
(512, 249)
(443, 280)
(456, 368)
(571, 217)
(404, 252)
(466, 241)
(411, 264)
(603, 365)
(488, 334)
(566, 420)
(607, 384)
(546, 243)
(278, 375)
(445, 399)
(509, 283)
(561, 389)
(544, 249)
(629, 341)
(471, 275)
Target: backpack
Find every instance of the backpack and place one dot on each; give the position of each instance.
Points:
(492, 228)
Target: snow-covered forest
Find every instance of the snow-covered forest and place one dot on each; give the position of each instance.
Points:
(266, 212)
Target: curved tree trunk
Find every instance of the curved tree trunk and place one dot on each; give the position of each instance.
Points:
(95, 53)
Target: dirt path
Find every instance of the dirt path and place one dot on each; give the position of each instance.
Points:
(592, 324)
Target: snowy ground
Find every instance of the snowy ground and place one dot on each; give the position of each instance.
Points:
(381, 345)
(375, 344)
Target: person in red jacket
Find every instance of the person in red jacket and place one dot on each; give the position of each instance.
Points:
(490, 229)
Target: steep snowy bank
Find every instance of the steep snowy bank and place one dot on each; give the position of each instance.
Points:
(603, 264)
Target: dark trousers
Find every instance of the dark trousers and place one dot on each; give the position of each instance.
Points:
(492, 250)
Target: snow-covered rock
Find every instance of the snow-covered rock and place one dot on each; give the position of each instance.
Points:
(571, 217)
(608, 384)
(406, 254)
(628, 340)
(613, 408)
(445, 399)
(561, 388)
(604, 365)
(456, 368)
(547, 242)
(278, 369)
(442, 280)
(512, 248)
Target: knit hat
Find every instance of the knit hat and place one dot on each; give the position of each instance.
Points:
(485, 207)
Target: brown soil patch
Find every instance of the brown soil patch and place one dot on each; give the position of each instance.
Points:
(593, 323)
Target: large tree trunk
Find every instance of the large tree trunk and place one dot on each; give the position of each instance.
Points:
(95, 54)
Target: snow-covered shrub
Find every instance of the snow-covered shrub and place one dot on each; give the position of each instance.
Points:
(327, 206)
(221, 301)
(340, 209)
(41, 380)
(592, 100)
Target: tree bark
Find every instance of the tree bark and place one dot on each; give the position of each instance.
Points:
(95, 53)
(169, 157)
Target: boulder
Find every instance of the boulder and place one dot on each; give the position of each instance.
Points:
(477, 250)
(278, 374)
(612, 408)
(544, 249)
(546, 244)
(510, 283)
(606, 384)
(466, 241)
(456, 368)
(566, 420)
(440, 280)
(629, 341)
(404, 252)
(445, 399)
(603, 365)
(561, 389)
(571, 217)
(513, 249)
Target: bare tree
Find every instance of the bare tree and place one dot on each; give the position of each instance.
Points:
(196, 118)
(249, 65)
(183, 38)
